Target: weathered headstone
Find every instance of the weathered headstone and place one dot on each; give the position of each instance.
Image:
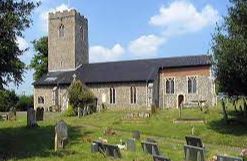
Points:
(137, 135)
(112, 150)
(160, 158)
(40, 114)
(61, 135)
(79, 112)
(131, 145)
(31, 118)
(94, 147)
(194, 141)
(150, 148)
(193, 153)
(228, 158)
(12, 114)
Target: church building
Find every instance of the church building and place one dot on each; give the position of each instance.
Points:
(164, 82)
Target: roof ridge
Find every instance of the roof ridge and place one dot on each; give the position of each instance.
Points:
(150, 59)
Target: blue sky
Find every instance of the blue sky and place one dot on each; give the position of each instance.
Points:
(133, 29)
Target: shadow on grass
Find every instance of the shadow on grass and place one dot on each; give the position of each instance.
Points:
(236, 126)
(22, 142)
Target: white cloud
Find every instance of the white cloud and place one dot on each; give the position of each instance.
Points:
(146, 45)
(99, 53)
(182, 17)
(44, 15)
(22, 43)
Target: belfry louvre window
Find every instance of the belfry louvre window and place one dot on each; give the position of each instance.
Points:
(41, 100)
(112, 96)
(192, 84)
(170, 85)
(133, 95)
(61, 31)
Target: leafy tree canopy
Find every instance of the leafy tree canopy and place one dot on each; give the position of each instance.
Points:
(230, 50)
(14, 19)
(40, 60)
(8, 99)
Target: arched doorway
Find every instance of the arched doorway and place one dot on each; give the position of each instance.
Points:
(180, 100)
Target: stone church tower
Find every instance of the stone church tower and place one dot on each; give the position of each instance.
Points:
(67, 41)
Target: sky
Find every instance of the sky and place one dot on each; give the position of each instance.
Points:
(132, 29)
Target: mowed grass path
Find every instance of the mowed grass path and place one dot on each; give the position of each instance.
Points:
(20, 143)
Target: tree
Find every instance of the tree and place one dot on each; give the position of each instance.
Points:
(79, 95)
(40, 60)
(229, 49)
(14, 19)
(24, 102)
(8, 99)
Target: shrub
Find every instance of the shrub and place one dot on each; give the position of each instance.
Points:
(80, 95)
(69, 112)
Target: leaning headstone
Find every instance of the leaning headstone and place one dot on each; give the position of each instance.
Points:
(150, 148)
(228, 158)
(131, 145)
(193, 153)
(12, 114)
(61, 135)
(40, 114)
(137, 135)
(160, 158)
(31, 118)
(194, 141)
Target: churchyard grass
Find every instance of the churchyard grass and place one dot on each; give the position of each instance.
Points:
(21, 143)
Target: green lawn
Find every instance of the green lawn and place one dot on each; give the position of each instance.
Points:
(20, 143)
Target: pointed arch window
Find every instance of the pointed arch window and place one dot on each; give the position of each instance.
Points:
(192, 84)
(61, 31)
(170, 86)
(41, 100)
(112, 96)
(133, 95)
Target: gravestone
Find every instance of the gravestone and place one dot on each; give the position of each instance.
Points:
(137, 135)
(79, 112)
(12, 114)
(193, 153)
(131, 145)
(61, 135)
(160, 158)
(150, 148)
(94, 147)
(106, 149)
(194, 141)
(40, 114)
(31, 118)
(112, 150)
(228, 158)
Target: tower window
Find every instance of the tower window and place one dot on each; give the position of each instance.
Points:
(61, 31)
(82, 33)
(112, 96)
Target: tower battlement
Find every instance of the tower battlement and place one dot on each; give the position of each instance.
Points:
(68, 40)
